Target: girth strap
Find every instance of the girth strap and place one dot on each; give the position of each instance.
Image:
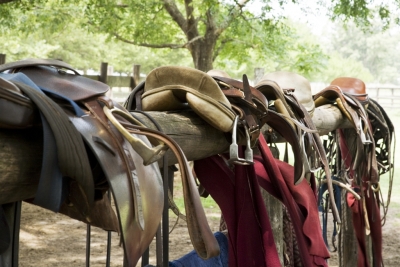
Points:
(68, 148)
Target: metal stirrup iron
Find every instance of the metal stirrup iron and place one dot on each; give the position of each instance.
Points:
(234, 149)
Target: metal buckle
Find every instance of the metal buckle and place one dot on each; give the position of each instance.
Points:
(234, 149)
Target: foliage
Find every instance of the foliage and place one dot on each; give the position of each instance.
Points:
(337, 66)
(234, 35)
(374, 48)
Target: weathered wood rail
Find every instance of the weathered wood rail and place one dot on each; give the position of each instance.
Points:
(21, 150)
(21, 153)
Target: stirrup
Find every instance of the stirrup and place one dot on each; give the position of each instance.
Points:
(234, 149)
(148, 154)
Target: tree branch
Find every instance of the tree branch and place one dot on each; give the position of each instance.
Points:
(175, 14)
(234, 13)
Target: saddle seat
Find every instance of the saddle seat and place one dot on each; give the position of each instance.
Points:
(354, 87)
(172, 88)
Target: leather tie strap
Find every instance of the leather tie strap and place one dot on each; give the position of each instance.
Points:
(202, 238)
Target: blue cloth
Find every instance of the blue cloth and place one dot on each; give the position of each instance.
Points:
(192, 259)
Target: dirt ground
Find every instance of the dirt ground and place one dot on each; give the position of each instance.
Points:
(49, 239)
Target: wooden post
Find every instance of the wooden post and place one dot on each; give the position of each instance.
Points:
(135, 76)
(275, 214)
(2, 59)
(12, 212)
(103, 72)
(258, 73)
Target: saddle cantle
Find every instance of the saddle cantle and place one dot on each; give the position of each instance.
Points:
(302, 88)
(109, 155)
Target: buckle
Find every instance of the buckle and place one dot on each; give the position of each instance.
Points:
(234, 149)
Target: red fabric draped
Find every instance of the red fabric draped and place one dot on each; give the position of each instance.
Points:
(249, 231)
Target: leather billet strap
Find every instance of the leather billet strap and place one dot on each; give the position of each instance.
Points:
(149, 154)
(320, 155)
(202, 238)
(69, 149)
(249, 104)
(285, 129)
(200, 233)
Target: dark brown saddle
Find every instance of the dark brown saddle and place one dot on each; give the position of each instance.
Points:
(291, 96)
(105, 157)
(284, 101)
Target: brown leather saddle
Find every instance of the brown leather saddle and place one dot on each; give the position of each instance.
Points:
(349, 95)
(291, 96)
(284, 101)
(105, 158)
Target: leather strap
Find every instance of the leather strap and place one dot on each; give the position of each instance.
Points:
(202, 238)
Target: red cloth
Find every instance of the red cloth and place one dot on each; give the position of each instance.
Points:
(251, 242)
(277, 177)
(238, 195)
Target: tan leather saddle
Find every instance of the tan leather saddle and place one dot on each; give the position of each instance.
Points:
(173, 88)
(112, 160)
(285, 103)
(252, 108)
(354, 87)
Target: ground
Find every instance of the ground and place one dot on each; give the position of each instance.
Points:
(49, 239)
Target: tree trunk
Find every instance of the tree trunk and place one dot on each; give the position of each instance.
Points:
(202, 54)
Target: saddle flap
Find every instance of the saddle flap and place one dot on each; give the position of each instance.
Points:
(173, 88)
